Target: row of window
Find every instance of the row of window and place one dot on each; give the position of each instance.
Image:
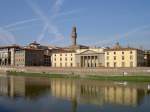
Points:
(122, 64)
(123, 58)
(89, 57)
(65, 54)
(65, 59)
(55, 65)
(122, 52)
(3, 55)
(20, 59)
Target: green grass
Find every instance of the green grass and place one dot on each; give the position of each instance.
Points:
(137, 78)
(41, 75)
(121, 78)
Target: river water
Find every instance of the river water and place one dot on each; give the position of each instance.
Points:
(27, 94)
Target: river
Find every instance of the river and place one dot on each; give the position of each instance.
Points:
(28, 94)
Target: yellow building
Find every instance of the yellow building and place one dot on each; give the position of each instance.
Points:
(92, 57)
(63, 59)
(123, 57)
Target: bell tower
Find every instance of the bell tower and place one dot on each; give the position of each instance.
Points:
(74, 36)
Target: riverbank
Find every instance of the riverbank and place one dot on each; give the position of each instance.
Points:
(130, 78)
(144, 71)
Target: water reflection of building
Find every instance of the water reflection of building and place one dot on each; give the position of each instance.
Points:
(123, 95)
(64, 88)
(4, 86)
(23, 87)
(76, 91)
(17, 86)
(99, 93)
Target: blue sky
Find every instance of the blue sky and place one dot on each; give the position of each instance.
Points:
(99, 22)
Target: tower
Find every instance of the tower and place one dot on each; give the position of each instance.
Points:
(74, 36)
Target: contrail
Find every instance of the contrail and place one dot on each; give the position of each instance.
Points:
(57, 6)
(5, 32)
(15, 28)
(20, 23)
(6, 36)
(41, 36)
(111, 39)
(51, 28)
(65, 13)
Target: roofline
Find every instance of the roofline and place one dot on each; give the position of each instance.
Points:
(30, 49)
(120, 49)
(12, 46)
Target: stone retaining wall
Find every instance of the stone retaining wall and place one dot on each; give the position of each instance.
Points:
(81, 71)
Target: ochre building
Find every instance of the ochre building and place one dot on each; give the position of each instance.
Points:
(63, 59)
(124, 57)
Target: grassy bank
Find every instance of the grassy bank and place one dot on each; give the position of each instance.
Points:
(41, 75)
(137, 78)
(121, 78)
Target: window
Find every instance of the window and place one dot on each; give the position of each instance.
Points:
(60, 54)
(114, 52)
(122, 52)
(71, 64)
(60, 59)
(55, 59)
(131, 64)
(114, 57)
(115, 64)
(107, 53)
(107, 57)
(60, 64)
(95, 57)
(123, 64)
(107, 64)
(66, 59)
(131, 57)
(71, 59)
(65, 64)
(122, 57)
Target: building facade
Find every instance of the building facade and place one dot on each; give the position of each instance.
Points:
(29, 57)
(75, 55)
(93, 57)
(124, 57)
(63, 59)
(147, 58)
(7, 54)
